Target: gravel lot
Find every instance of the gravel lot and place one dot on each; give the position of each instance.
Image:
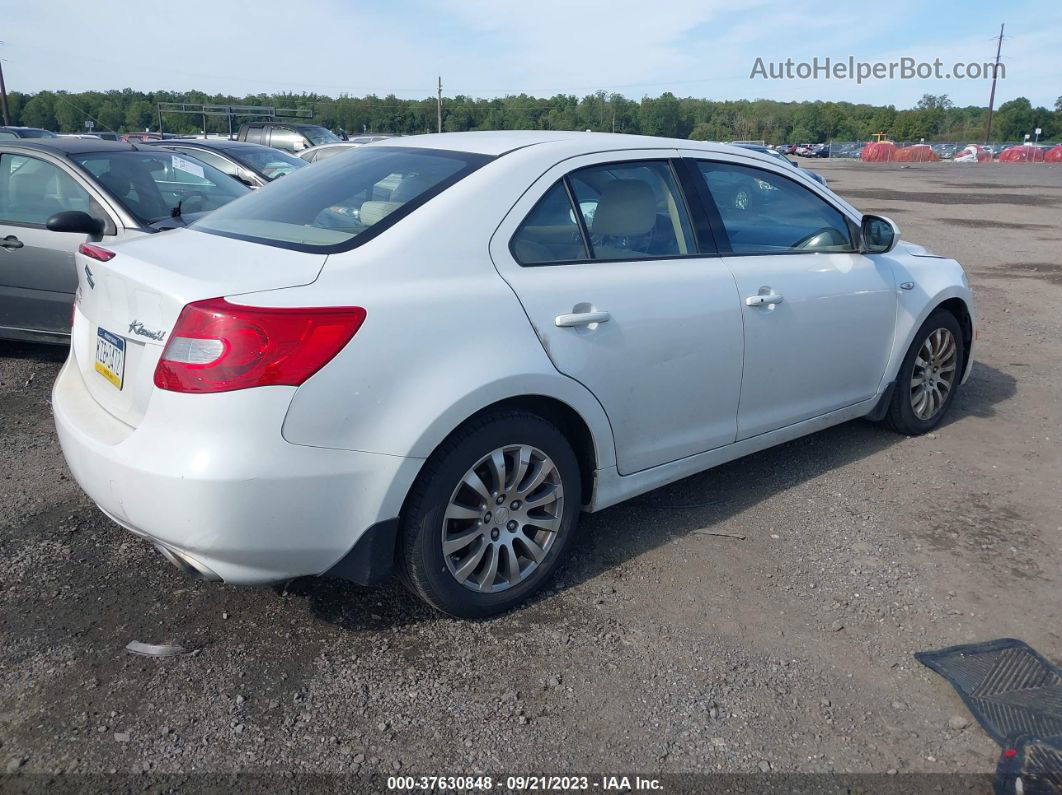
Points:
(658, 649)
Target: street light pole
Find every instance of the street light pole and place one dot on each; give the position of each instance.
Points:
(438, 107)
(3, 94)
(992, 95)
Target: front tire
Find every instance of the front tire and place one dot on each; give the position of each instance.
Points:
(491, 515)
(928, 377)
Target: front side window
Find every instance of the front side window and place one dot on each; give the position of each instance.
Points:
(334, 209)
(766, 213)
(633, 210)
(154, 186)
(32, 190)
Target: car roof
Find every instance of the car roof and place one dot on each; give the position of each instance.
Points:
(208, 143)
(572, 142)
(71, 146)
(279, 123)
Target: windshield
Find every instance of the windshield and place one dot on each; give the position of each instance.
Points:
(33, 132)
(337, 208)
(319, 135)
(155, 186)
(270, 163)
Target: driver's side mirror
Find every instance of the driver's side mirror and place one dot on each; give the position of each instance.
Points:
(76, 221)
(880, 234)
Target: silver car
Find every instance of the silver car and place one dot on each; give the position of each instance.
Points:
(58, 194)
(325, 151)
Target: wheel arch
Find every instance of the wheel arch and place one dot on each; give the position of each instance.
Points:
(961, 310)
(956, 300)
(591, 451)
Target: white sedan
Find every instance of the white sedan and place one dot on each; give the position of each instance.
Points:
(430, 356)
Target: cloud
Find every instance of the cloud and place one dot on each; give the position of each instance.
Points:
(495, 47)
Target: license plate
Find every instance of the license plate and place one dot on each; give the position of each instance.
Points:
(110, 356)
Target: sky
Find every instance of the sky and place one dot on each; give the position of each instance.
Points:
(487, 48)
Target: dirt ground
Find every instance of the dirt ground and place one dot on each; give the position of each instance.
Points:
(658, 649)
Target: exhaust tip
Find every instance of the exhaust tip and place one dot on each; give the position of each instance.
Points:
(189, 565)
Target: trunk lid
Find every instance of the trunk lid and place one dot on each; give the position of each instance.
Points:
(126, 307)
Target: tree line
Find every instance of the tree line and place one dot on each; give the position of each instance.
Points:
(934, 118)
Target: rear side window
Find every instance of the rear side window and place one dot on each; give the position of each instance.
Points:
(286, 139)
(550, 232)
(254, 135)
(633, 210)
(627, 210)
(326, 210)
(766, 213)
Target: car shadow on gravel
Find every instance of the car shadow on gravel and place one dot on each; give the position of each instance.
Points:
(616, 535)
(699, 502)
(30, 350)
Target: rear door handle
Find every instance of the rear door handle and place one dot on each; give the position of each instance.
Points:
(763, 300)
(581, 319)
(11, 243)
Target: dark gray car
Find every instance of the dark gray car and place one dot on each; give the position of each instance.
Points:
(252, 164)
(58, 193)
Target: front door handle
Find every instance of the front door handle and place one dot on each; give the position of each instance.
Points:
(11, 243)
(581, 319)
(763, 300)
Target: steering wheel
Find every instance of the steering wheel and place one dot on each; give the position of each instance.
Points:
(822, 237)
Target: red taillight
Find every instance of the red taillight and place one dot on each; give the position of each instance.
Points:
(219, 347)
(95, 252)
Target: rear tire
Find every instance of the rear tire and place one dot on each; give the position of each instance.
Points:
(502, 493)
(929, 376)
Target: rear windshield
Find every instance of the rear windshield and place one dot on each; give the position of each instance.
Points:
(339, 206)
(154, 186)
(267, 161)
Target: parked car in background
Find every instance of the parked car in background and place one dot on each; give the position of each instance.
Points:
(779, 156)
(291, 138)
(430, 356)
(252, 164)
(59, 193)
(137, 137)
(325, 151)
(10, 133)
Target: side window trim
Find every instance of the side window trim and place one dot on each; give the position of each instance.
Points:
(584, 233)
(715, 218)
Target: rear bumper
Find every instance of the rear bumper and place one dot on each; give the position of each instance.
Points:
(210, 479)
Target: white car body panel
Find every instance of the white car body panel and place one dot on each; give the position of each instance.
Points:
(273, 482)
(673, 321)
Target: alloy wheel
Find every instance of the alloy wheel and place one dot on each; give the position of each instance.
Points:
(933, 377)
(502, 518)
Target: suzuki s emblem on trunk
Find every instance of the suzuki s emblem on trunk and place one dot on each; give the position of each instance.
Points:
(88, 278)
(136, 327)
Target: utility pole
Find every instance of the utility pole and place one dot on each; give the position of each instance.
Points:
(992, 95)
(438, 107)
(3, 94)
